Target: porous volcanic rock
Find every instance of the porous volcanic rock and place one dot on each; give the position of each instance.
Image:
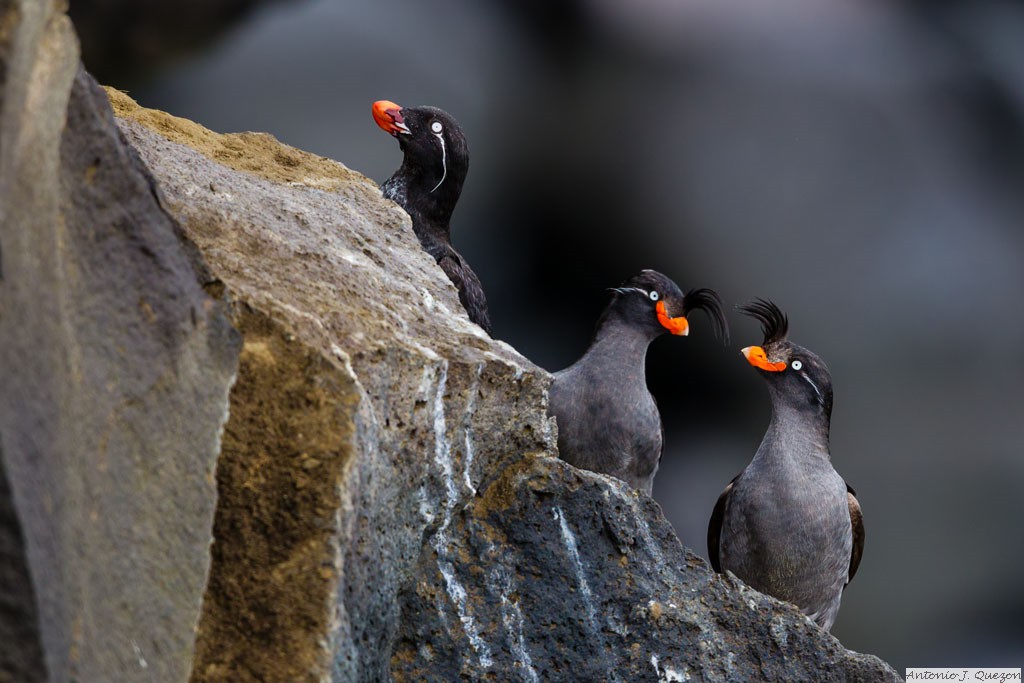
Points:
(571, 576)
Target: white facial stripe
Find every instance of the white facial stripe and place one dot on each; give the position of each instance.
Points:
(821, 399)
(444, 160)
(626, 290)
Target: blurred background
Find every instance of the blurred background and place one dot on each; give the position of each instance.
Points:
(859, 162)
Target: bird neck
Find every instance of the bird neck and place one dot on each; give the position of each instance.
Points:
(430, 204)
(620, 346)
(434, 191)
(796, 434)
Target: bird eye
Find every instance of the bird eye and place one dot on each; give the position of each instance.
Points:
(654, 296)
(436, 126)
(796, 365)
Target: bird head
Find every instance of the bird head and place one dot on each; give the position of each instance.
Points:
(652, 301)
(436, 152)
(794, 374)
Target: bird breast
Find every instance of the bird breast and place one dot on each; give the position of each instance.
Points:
(789, 533)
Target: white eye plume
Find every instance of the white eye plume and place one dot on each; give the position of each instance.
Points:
(817, 391)
(436, 127)
(653, 296)
(796, 365)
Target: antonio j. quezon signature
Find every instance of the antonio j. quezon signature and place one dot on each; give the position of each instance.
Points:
(991, 675)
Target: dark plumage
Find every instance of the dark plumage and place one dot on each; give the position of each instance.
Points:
(788, 524)
(607, 419)
(428, 184)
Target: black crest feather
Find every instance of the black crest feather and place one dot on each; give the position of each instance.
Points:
(774, 323)
(708, 301)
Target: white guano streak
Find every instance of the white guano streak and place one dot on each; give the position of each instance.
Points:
(456, 591)
(512, 618)
(668, 675)
(574, 554)
(588, 598)
(467, 430)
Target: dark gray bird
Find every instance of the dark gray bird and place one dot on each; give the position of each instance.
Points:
(788, 525)
(428, 184)
(607, 419)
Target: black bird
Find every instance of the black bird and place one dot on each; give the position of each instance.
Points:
(788, 525)
(607, 419)
(428, 184)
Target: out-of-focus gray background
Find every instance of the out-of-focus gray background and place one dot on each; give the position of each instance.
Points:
(861, 163)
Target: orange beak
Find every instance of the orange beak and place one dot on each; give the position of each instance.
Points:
(678, 325)
(756, 356)
(388, 116)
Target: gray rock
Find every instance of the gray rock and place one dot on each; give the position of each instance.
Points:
(557, 574)
(385, 505)
(116, 368)
(366, 403)
(21, 657)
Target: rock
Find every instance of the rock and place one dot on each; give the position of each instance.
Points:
(559, 574)
(21, 657)
(385, 505)
(116, 367)
(357, 356)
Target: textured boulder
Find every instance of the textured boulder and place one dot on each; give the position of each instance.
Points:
(116, 368)
(567, 575)
(366, 402)
(250, 435)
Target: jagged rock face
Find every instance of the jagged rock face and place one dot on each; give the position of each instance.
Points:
(329, 483)
(250, 435)
(553, 574)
